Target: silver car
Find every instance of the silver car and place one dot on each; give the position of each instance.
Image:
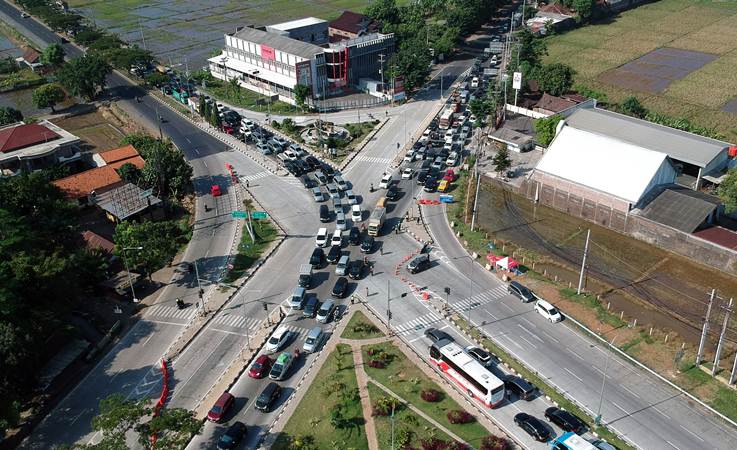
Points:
(318, 194)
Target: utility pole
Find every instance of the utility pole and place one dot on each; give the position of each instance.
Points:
(705, 328)
(200, 292)
(381, 71)
(583, 262)
(727, 312)
(734, 370)
(388, 309)
(475, 202)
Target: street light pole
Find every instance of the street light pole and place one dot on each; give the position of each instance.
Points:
(200, 292)
(388, 309)
(127, 269)
(597, 419)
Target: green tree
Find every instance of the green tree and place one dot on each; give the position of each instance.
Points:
(727, 191)
(130, 173)
(555, 79)
(300, 94)
(501, 160)
(545, 129)
(584, 9)
(632, 107)
(157, 78)
(166, 171)
(531, 49)
(202, 105)
(385, 11)
(9, 115)
(53, 55)
(160, 242)
(84, 76)
(48, 95)
(126, 58)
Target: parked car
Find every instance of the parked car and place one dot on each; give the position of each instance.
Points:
(340, 182)
(232, 436)
(419, 263)
(603, 445)
(532, 426)
(407, 173)
(277, 340)
(334, 254)
(564, 419)
(354, 236)
(367, 244)
(521, 292)
(337, 238)
(268, 396)
(479, 355)
(342, 267)
(392, 193)
(351, 197)
(310, 307)
(340, 287)
(356, 214)
(517, 385)
(298, 298)
(313, 340)
(385, 181)
(260, 367)
(321, 177)
(318, 194)
(435, 335)
(431, 183)
(321, 240)
(548, 311)
(355, 269)
(221, 407)
(333, 190)
(325, 215)
(317, 259)
(326, 311)
(307, 182)
(340, 222)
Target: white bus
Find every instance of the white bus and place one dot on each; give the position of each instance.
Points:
(468, 373)
(571, 441)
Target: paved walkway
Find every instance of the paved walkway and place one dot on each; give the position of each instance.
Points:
(362, 378)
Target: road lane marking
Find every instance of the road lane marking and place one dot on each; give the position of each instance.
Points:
(692, 433)
(164, 322)
(528, 322)
(144, 344)
(187, 139)
(575, 354)
(625, 411)
(574, 375)
(492, 315)
(600, 371)
(630, 391)
(528, 341)
(415, 339)
(549, 336)
(197, 151)
(531, 333)
(203, 162)
(506, 306)
(672, 444)
(662, 413)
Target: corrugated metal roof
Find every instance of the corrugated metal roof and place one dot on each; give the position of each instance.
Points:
(680, 208)
(679, 145)
(278, 42)
(598, 162)
(299, 23)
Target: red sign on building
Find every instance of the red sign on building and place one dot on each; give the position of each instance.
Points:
(267, 52)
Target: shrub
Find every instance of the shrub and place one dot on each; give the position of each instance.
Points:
(494, 443)
(431, 395)
(459, 416)
(376, 364)
(383, 406)
(439, 444)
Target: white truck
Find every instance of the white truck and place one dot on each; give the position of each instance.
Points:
(376, 221)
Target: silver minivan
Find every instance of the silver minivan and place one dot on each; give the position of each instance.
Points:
(298, 298)
(313, 340)
(325, 311)
(342, 266)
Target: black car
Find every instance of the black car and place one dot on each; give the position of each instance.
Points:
(325, 215)
(317, 258)
(565, 420)
(519, 386)
(422, 176)
(340, 287)
(270, 393)
(435, 335)
(303, 166)
(532, 426)
(355, 269)
(420, 263)
(307, 181)
(232, 436)
(392, 193)
(367, 244)
(425, 165)
(521, 292)
(354, 236)
(328, 170)
(480, 355)
(334, 254)
(312, 162)
(431, 183)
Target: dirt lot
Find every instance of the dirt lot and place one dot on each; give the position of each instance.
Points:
(100, 130)
(645, 282)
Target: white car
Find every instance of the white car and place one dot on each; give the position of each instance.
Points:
(410, 156)
(407, 173)
(337, 238)
(386, 181)
(340, 222)
(548, 311)
(452, 159)
(290, 154)
(277, 340)
(356, 214)
(322, 237)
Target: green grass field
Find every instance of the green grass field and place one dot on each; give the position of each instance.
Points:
(360, 327)
(698, 25)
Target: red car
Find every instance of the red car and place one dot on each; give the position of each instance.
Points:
(260, 367)
(215, 190)
(218, 410)
(450, 176)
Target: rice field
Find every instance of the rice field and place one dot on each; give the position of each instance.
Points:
(703, 96)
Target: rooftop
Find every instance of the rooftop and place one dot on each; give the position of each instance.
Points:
(125, 201)
(286, 26)
(354, 23)
(281, 43)
(16, 137)
(679, 145)
(82, 184)
(680, 208)
(118, 154)
(552, 103)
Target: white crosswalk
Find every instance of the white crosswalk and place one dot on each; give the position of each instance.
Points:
(422, 322)
(171, 312)
(236, 321)
(373, 159)
(297, 332)
(479, 299)
(254, 176)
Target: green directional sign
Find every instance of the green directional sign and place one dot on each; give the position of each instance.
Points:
(259, 215)
(239, 215)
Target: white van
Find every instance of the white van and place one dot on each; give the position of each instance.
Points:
(386, 181)
(548, 311)
(356, 214)
(313, 340)
(322, 237)
(337, 238)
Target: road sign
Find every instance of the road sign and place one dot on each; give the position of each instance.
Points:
(239, 215)
(517, 80)
(259, 215)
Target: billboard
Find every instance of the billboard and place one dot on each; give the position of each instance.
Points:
(303, 73)
(267, 52)
(398, 91)
(517, 81)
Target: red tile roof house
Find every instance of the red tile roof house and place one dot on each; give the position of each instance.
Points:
(351, 25)
(100, 179)
(30, 58)
(35, 146)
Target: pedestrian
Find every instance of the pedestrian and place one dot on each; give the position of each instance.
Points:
(366, 291)
(371, 270)
(381, 250)
(386, 113)
(246, 184)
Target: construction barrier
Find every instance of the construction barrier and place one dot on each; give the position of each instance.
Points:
(162, 398)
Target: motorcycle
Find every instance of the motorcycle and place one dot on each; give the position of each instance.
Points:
(180, 304)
